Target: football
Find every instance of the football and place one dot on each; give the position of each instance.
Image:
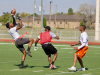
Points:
(13, 12)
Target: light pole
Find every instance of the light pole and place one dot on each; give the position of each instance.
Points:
(50, 14)
(41, 15)
(55, 16)
(97, 21)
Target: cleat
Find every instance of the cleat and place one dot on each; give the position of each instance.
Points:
(22, 67)
(81, 69)
(72, 68)
(27, 52)
(52, 67)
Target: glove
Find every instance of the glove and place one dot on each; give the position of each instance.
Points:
(35, 48)
(19, 17)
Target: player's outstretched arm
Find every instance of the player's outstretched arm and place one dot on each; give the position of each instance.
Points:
(14, 21)
(75, 43)
(57, 37)
(20, 23)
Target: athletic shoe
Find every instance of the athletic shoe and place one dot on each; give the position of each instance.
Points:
(72, 68)
(22, 66)
(52, 67)
(27, 52)
(81, 69)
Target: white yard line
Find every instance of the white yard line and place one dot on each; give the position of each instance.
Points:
(66, 48)
(38, 71)
(14, 69)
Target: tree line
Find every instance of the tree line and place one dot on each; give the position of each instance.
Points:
(86, 11)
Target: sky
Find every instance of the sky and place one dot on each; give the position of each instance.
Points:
(27, 6)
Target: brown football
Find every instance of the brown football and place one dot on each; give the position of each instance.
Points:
(13, 12)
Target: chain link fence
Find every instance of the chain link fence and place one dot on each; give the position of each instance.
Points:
(64, 34)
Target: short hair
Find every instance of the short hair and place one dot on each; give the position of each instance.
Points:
(7, 25)
(84, 26)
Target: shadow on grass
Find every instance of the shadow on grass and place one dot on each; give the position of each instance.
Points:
(24, 65)
(48, 66)
(85, 69)
(34, 66)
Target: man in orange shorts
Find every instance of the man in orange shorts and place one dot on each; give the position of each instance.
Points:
(81, 50)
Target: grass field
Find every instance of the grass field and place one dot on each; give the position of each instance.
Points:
(10, 59)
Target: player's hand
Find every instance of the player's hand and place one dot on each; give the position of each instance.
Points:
(75, 48)
(72, 44)
(19, 17)
(35, 48)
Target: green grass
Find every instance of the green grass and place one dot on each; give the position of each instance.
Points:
(10, 59)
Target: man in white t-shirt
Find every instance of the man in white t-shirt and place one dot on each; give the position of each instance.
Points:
(19, 41)
(81, 50)
(45, 39)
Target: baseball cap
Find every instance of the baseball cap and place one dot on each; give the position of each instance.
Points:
(48, 27)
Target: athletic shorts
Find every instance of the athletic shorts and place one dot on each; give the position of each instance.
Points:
(20, 42)
(81, 52)
(49, 49)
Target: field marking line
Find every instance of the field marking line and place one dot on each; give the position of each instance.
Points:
(61, 72)
(87, 74)
(97, 53)
(14, 69)
(66, 48)
(53, 45)
(38, 71)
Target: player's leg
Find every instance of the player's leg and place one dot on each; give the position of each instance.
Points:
(75, 60)
(80, 61)
(54, 58)
(74, 65)
(25, 41)
(30, 43)
(49, 59)
(23, 59)
(53, 50)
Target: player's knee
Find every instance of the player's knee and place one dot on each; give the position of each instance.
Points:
(31, 40)
(24, 52)
(75, 54)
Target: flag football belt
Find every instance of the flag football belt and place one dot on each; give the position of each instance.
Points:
(22, 35)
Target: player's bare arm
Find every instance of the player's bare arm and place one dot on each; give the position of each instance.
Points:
(57, 37)
(75, 43)
(20, 23)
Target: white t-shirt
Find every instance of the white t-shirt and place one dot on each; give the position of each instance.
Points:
(52, 36)
(83, 40)
(13, 32)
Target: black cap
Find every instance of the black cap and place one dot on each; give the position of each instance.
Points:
(7, 25)
(48, 27)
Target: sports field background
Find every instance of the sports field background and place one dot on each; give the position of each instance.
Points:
(64, 34)
(10, 59)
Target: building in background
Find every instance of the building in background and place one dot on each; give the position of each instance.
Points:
(62, 21)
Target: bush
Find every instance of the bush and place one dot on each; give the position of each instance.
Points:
(81, 23)
(44, 22)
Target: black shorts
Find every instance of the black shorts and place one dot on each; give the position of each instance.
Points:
(20, 42)
(49, 49)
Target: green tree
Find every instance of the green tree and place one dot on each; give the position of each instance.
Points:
(35, 14)
(81, 23)
(62, 13)
(57, 13)
(5, 17)
(0, 19)
(44, 22)
(24, 14)
(70, 11)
